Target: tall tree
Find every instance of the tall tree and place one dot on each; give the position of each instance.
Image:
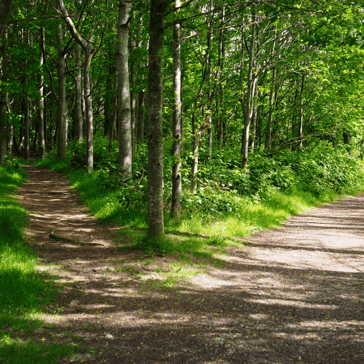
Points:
(90, 51)
(176, 127)
(124, 105)
(155, 137)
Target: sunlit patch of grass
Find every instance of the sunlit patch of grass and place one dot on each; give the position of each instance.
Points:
(24, 292)
(255, 216)
(19, 351)
(175, 275)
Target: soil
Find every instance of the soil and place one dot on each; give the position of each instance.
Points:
(289, 295)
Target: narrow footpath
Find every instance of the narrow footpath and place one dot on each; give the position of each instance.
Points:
(290, 295)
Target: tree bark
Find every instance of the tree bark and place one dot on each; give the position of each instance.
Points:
(89, 110)
(124, 112)
(78, 121)
(62, 103)
(155, 138)
(141, 115)
(250, 94)
(176, 127)
(41, 124)
(5, 12)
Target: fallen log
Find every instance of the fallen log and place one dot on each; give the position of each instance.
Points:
(53, 236)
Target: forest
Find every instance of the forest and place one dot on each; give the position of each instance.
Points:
(183, 109)
(143, 144)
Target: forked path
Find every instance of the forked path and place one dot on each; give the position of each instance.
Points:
(291, 295)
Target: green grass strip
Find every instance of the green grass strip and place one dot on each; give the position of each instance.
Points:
(24, 292)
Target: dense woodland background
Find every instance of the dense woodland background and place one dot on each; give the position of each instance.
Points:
(190, 108)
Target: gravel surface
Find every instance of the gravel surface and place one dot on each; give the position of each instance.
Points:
(290, 295)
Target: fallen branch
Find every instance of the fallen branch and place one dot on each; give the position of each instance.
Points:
(355, 284)
(67, 240)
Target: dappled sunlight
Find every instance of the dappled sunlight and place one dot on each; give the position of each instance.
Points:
(286, 292)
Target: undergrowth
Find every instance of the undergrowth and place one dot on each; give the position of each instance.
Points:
(24, 292)
(229, 202)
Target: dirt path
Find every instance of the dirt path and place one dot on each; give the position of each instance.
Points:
(293, 295)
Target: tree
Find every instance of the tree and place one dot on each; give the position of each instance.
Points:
(124, 105)
(155, 137)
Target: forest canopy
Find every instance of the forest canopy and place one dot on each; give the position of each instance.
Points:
(186, 103)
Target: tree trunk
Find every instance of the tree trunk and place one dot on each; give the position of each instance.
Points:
(176, 128)
(155, 138)
(209, 91)
(124, 112)
(132, 94)
(3, 107)
(62, 103)
(141, 115)
(89, 111)
(220, 98)
(3, 100)
(78, 121)
(250, 94)
(41, 138)
(5, 11)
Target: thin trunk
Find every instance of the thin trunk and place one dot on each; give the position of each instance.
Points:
(124, 112)
(3, 102)
(176, 128)
(132, 94)
(41, 138)
(89, 111)
(112, 131)
(250, 94)
(62, 103)
(155, 137)
(220, 99)
(209, 92)
(141, 115)
(109, 99)
(78, 122)
(196, 142)
(300, 131)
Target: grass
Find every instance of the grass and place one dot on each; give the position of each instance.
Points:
(202, 231)
(24, 292)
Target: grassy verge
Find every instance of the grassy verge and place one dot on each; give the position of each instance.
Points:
(24, 292)
(201, 232)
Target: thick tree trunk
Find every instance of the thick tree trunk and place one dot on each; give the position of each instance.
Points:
(124, 112)
(176, 128)
(41, 124)
(155, 138)
(62, 103)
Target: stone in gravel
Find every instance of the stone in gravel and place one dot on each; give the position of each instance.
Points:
(109, 336)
